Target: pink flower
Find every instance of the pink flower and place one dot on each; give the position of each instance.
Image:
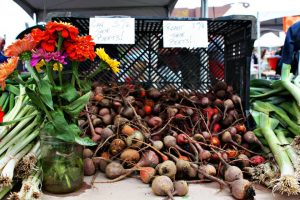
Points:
(40, 54)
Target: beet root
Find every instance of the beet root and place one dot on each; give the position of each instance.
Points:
(181, 188)
(163, 186)
(242, 189)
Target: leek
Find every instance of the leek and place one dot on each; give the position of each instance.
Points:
(289, 149)
(17, 147)
(30, 187)
(287, 183)
(282, 115)
(11, 139)
(292, 108)
(7, 173)
(287, 84)
(25, 166)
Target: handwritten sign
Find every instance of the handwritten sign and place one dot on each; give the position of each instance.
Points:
(189, 34)
(112, 30)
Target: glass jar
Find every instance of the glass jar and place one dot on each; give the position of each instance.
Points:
(62, 165)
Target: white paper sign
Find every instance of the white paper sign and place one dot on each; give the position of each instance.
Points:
(112, 30)
(189, 34)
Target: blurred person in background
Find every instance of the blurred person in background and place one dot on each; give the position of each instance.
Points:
(263, 60)
(2, 44)
(290, 49)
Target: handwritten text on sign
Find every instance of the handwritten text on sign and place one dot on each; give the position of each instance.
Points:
(112, 30)
(189, 34)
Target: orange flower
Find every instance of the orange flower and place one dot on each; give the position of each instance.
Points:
(80, 49)
(45, 38)
(20, 46)
(6, 69)
(67, 30)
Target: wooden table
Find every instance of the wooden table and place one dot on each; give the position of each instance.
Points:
(133, 189)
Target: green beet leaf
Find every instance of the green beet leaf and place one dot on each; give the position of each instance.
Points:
(74, 108)
(44, 89)
(37, 101)
(86, 141)
(69, 93)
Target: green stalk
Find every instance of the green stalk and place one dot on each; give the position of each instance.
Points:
(35, 148)
(259, 89)
(6, 103)
(75, 74)
(287, 183)
(280, 113)
(287, 84)
(4, 191)
(17, 147)
(12, 89)
(3, 98)
(292, 108)
(12, 138)
(101, 67)
(33, 72)
(6, 128)
(19, 103)
(11, 101)
(50, 73)
(19, 126)
(289, 150)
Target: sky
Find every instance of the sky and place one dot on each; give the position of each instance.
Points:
(13, 19)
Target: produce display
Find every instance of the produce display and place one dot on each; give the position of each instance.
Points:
(56, 125)
(169, 138)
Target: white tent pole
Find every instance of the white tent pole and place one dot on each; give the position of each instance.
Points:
(258, 44)
(204, 9)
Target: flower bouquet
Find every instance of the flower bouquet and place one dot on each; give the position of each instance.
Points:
(52, 56)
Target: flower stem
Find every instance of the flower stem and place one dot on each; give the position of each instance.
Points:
(101, 67)
(75, 77)
(50, 73)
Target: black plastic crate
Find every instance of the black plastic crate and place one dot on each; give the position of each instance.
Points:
(146, 62)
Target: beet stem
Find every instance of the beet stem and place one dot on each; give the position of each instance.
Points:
(118, 178)
(184, 151)
(163, 156)
(101, 144)
(139, 121)
(90, 122)
(221, 132)
(165, 126)
(199, 181)
(244, 148)
(215, 179)
(195, 151)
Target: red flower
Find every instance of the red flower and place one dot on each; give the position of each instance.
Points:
(45, 38)
(80, 49)
(66, 29)
(1, 115)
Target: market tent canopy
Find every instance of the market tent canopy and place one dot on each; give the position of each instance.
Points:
(89, 8)
(269, 40)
